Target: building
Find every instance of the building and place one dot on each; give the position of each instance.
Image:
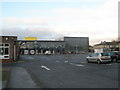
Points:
(67, 45)
(76, 44)
(108, 46)
(9, 50)
(40, 47)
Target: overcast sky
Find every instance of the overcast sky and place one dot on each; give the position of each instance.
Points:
(52, 19)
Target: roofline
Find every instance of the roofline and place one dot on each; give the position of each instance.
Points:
(8, 36)
(75, 37)
(39, 41)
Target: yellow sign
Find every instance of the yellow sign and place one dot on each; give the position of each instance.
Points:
(30, 38)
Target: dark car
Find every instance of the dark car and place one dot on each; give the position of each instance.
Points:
(115, 56)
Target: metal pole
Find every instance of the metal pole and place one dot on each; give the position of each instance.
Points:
(76, 49)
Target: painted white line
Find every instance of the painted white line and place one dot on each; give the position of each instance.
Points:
(45, 67)
(79, 65)
(82, 62)
(66, 61)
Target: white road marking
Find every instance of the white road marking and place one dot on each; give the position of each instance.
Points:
(45, 67)
(82, 62)
(77, 64)
(66, 61)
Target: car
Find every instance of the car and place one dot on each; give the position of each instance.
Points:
(99, 57)
(115, 56)
(47, 52)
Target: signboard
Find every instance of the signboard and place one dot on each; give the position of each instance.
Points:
(30, 38)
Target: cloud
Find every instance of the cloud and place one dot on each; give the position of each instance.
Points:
(13, 21)
(53, 0)
(98, 23)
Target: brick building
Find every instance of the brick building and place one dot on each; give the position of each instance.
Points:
(9, 50)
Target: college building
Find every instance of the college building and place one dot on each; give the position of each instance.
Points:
(67, 45)
(11, 48)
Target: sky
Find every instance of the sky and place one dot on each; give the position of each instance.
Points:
(54, 19)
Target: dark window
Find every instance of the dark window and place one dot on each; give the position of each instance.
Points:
(92, 55)
(6, 51)
(105, 54)
(6, 44)
(96, 54)
(1, 51)
(118, 53)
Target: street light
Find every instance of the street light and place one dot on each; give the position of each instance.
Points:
(35, 46)
(76, 49)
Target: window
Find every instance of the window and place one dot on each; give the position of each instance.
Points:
(96, 54)
(92, 55)
(105, 54)
(4, 51)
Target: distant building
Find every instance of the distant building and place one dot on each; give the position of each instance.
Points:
(91, 49)
(9, 50)
(67, 45)
(76, 44)
(108, 46)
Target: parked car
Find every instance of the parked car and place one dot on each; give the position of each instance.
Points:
(115, 56)
(99, 57)
(47, 52)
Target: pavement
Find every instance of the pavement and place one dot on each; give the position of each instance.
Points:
(20, 78)
(0, 84)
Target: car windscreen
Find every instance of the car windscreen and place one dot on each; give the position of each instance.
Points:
(105, 54)
(118, 53)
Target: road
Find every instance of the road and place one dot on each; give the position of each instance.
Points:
(69, 71)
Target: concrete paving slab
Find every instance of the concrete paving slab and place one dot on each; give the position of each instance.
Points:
(0, 84)
(21, 79)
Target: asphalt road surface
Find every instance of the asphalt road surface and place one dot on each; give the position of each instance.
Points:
(69, 71)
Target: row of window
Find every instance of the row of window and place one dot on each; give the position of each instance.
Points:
(97, 54)
(4, 44)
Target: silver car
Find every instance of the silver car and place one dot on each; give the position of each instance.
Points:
(99, 57)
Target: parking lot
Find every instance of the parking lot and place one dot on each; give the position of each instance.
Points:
(69, 71)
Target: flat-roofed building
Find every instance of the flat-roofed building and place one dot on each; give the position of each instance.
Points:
(9, 50)
(68, 44)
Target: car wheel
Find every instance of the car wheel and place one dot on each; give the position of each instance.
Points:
(88, 61)
(115, 59)
(98, 62)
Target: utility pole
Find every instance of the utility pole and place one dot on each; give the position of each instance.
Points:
(35, 46)
(76, 49)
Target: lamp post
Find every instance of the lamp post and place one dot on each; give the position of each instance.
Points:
(76, 49)
(35, 46)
